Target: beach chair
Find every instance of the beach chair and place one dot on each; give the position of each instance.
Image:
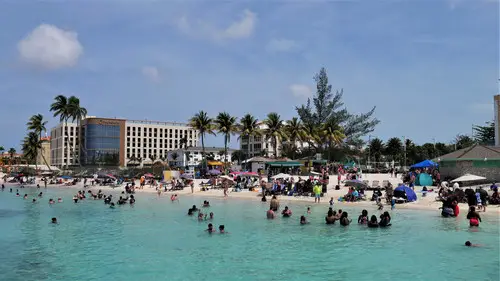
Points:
(366, 182)
(375, 184)
(385, 183)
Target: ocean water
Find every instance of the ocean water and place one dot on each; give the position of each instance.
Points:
(156, 240)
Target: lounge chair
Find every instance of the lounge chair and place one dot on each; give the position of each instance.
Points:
(375, 185)
(385, 183)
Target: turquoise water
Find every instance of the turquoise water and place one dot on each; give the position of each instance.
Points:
(156, 240)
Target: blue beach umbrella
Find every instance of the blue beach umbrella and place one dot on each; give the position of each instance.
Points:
(66, 177)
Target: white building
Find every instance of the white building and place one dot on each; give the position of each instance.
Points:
(192, 156)
(60, 153)
(151, 140)
(258, 145)
(124, 142)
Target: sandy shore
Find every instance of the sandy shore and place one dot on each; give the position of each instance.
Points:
(423, 203)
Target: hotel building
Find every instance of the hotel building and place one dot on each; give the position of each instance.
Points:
(257, 145)
(111, 141)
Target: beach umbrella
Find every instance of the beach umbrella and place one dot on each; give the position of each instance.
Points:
(357, 184)
(468, 177)
(148, 175)
(187, 176)
(281, 176)
(66, 177)
(227, 178)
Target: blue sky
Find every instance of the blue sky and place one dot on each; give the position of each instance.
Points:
(430, 66)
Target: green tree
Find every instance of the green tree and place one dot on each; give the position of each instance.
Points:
(31, 146)
(204, 125)
(332, 135)
(394, 148)
(376, 147)
(463, 141)
(249, 127)
(485, 134)
(37, 125)
(77, 112)
(275, 130)
(295, 132)
(183, 142)
(327, 106)
(226, 125)
(2, 149)
(60, 108)
(12, 152)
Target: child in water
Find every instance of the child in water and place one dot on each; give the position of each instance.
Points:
(331, 201)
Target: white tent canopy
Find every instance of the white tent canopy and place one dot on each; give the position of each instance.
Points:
(281, 176)
(468, 177)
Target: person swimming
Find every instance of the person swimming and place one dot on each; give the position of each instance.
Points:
(75, 199)
(469, 244)
(309, 210)
(132, 200)
(473, 217)
(363, 218)
(385, 220)
(303, 220)
(51, 201)
(211, 217)
(206, 204)
(25, 196)
(210, 228)
(54, 220)
(264, 199)
(221, 229)
(331, 216)
(344, 219)
(34, 200)
(59, 200)
(40, 194)
(174, 198)
(286, 213)
(373, 221)
(112, 205)
(270, 213)
(17, 194)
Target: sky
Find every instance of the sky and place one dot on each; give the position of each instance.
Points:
(430, 67)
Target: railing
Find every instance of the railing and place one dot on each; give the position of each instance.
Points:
(150, 122)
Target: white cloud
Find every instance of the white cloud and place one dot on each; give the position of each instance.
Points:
(300, 90)
(151, 73)
(243, 28)
(50, 47)
(281, 45)
(240, 29)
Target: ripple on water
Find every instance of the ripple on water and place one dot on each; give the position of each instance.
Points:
(156, 240)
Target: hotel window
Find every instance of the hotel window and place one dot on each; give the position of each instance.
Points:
(170, 131)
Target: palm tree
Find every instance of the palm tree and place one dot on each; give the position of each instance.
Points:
(12, 152)
(77, 112)
(204, 125)
(2, 149)
(183, 142)
(249, 127)
(295, 133)
(376, 147)
(226, 125)
(31, 146)
(275, 130)
(394, 148)
(37, 125)
(332, 134)
(61, 109)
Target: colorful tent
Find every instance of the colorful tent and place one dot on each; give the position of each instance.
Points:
(425, 164)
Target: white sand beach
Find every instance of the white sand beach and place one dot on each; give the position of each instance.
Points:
(423, 203)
